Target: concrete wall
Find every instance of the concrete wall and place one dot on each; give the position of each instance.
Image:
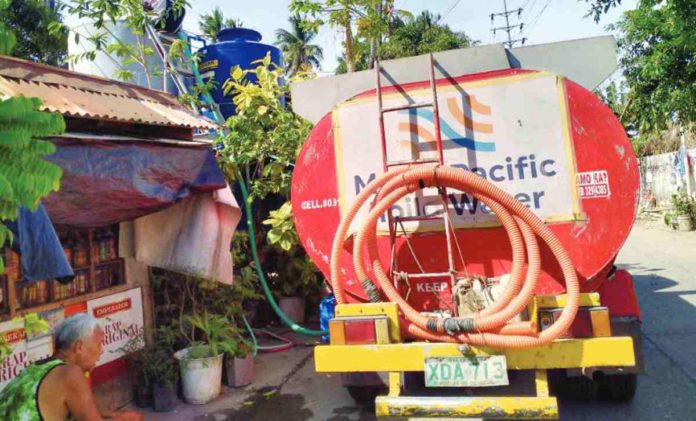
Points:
(660, 177)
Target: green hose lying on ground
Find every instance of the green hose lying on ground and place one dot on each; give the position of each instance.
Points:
(247, 211)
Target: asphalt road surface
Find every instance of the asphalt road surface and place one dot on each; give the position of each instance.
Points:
(663, 264)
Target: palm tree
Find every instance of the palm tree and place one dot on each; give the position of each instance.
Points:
(296, 47)
(212, 23)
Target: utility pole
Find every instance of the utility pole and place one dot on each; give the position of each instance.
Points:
(509, 28)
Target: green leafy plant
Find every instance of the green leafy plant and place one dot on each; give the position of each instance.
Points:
(25, 175)
(296, 44)
(373, 20)
(264, 136)
(32, 19)
(657, 41)
(218, 335)
(282, 230)
(422, 35)
(684, 205)
(33, 324)
(291, 273)
(263, 142)
(153, 364)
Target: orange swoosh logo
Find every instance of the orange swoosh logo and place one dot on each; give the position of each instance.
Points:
(458, 114)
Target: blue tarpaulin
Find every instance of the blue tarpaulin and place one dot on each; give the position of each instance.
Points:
(106, 182)
(36, 241)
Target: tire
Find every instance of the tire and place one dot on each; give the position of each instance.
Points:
(365, 395)
(617, 387)
(577, 388)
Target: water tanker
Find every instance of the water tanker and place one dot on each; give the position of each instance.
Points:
(467, 212)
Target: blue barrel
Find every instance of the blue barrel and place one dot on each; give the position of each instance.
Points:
(236, 47)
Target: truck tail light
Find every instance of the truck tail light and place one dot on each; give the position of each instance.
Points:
(359, 330)
(589, 322)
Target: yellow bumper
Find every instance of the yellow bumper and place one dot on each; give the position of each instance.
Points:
(520, 408)
(564, 353)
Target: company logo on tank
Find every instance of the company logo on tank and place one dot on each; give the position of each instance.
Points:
(510, 130)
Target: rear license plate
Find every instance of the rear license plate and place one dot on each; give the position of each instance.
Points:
(466, 371)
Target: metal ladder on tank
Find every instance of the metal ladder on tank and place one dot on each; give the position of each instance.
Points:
(392, 221)
(170, 69)
(162, 42)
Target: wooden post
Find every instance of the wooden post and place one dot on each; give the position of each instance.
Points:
(92, 264)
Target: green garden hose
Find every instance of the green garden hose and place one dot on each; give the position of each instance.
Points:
(247, 211)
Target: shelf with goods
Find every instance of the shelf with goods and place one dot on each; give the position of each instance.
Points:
(93, 254)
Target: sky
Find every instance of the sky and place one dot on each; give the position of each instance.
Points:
(544, 20)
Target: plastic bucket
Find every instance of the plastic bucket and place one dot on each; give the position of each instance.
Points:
(201, 378)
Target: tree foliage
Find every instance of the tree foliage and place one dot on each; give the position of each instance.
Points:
(410, 37)
(658, 42)
(103, 14)
(264, 137)
(30, 20)
(361, 58)
(212, 23)
(262, 144)
(600, 7)
(298, 51)
(421, 36)
(372, 19)
(25, 176)
(337, 13)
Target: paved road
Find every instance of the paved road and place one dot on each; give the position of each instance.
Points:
(662, 263)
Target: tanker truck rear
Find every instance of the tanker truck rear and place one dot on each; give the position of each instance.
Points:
(467, 210)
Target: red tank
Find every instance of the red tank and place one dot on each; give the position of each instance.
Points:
(546, 140)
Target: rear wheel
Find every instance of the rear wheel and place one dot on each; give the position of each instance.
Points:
(617, 387)
(574, 388)
(365, 394)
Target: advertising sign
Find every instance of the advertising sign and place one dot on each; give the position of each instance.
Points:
(13, 333)
(121, 318)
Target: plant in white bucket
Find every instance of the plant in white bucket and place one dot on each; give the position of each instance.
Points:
(201, 363)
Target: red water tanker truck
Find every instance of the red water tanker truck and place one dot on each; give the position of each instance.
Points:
(467, 208)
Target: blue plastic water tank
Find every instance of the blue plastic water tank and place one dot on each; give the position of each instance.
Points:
(236, 47)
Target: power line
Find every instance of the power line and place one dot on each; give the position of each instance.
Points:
(449, 10)
(534, 21)
(508, 28)
(529, 9)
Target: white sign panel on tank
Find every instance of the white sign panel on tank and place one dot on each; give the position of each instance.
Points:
(512, 130)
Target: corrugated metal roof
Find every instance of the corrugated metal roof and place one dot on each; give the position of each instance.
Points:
(77, 95)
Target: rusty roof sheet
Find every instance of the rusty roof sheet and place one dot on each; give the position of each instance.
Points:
(77, 95)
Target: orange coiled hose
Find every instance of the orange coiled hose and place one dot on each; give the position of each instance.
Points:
(491, 327)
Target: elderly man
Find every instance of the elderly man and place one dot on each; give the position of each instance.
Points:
(57, 389)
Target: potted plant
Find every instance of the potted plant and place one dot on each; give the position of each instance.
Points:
(201, 363)
(156, 371)
(239, 360)
(295, 277)
(684, 212)
(164, 380)
(137, 360)
(163, 370)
